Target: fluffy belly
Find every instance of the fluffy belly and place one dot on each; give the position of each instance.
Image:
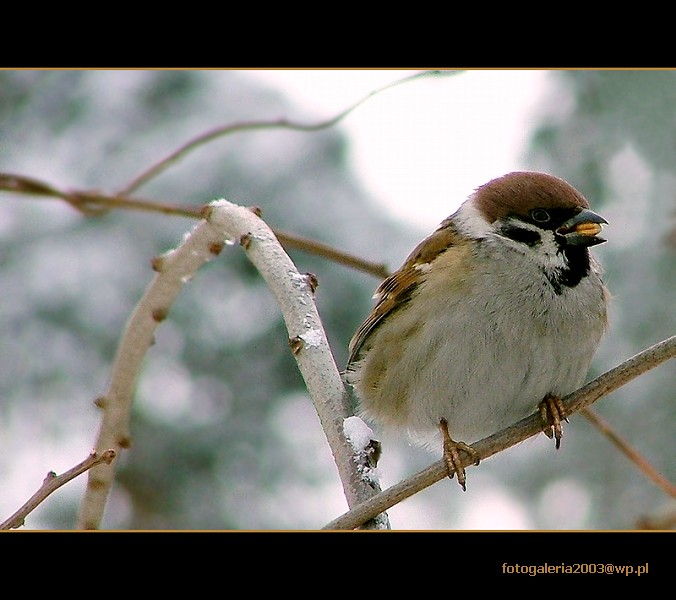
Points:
(479, 379)
(478, 398)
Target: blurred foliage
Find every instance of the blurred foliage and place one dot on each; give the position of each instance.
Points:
(224, 434)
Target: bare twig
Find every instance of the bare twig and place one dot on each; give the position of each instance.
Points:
(93, 203)
(224, 130)
(292, 240)
(631, 453)
(510, 436)
(53, 482)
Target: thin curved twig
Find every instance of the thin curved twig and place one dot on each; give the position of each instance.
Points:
(94, 203)
(631, 453)
(510, 436)
(212, 134)
(53, 482)
(294, 293)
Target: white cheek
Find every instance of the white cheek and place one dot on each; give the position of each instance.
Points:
(470, 221)
(547, 252)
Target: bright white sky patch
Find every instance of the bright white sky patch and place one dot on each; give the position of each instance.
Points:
(494, 510)
(565, 504)
(422, 147)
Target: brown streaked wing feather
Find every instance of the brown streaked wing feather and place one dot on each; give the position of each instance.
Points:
(431, 247)
(390, 293)
(395, 289)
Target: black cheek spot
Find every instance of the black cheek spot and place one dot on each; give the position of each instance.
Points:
(519, 234)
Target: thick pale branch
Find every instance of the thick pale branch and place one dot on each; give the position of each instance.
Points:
(295, 295)
(510, 436)
(174, 269)
(53, 482)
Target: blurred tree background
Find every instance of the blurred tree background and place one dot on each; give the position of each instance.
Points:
(225, 435)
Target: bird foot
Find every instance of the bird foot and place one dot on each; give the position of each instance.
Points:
(452, 450)
(553, 413)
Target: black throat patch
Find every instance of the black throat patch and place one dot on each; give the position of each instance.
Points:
(577, 267)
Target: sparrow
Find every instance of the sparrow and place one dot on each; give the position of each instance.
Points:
(494, 316)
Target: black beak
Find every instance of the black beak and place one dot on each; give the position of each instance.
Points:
(582, 229)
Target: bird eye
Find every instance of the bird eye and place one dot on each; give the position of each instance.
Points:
(539, 215)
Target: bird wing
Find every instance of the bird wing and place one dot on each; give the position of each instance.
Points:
(394, 292)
